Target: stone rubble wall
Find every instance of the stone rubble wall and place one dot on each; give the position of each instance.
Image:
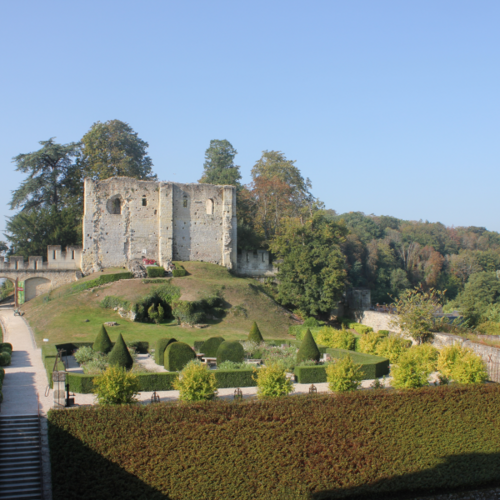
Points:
(377, 320)
(255, 263)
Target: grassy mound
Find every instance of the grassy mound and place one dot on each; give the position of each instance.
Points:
(50, 314)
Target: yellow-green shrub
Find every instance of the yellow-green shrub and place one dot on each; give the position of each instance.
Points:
(196, 383)
(272, 382)
(411, 371)
(461, 365)
(392, 347)
(427, 354)
(116, 386)
(338, 339)
(367, 343)
(343, 375)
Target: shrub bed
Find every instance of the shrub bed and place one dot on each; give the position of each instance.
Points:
(375, 444)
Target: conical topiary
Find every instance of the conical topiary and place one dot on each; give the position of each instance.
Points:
(308, 350)
(255, 335)
(119, 355)
(102, 342)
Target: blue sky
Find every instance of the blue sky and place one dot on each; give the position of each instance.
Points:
(389, 107)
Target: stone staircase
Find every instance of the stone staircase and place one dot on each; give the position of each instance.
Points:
(20, 460)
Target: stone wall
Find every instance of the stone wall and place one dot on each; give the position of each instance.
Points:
(256, 263)
(488, 353)
(126, 219)
(377, 320)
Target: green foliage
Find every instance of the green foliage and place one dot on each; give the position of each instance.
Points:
(6, 345)
(179, 273)
(84, 354)
(312, 323)
(415, 310)
(461, 365)
(198, 310)
(343, 375)
(230, 351)
(196, 383)
(156, 381)
(141, 346)
(371, 366)
(240, 377)
(116, 386)
(312, 272)
(119, 355)
(177, 355)
(391, 347)
(155, 271)
(210, 346)
(5, 358)
(369, 341)
(102, 280)
(7, 287)
(160, 346)
(163, 295)
(310, 374)
(339, 339)
(255, 335)
(112, 149)
(272, 382)
(231, 365)
(481, 291)
(102, 342)
(413, 431)
(110, 302)
(219, 167)
(489, 328)
(198, 344)
(308, 349)
(412, 370)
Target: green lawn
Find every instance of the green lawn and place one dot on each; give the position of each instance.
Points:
(63, 317)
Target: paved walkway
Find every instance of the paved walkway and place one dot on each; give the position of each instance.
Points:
(25, 378)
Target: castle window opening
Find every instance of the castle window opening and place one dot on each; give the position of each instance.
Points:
(210, 206)
(114, 206)
(263, 257)
(144, 201)
(255, 254)
(54, 255)
(185, 203)
(72, 254)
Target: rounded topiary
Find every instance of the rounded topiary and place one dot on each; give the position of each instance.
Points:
(230, 351)
(210, 346)
(255, 335)
(119, 355)
(102, 342)
(160, 346)
(4, 345)
(5, 358)
(308, 349)
(177, 355)
(2, 375)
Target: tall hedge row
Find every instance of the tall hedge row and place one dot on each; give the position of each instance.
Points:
(376, 444)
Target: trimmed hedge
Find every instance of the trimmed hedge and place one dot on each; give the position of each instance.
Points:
(120, 355)
(255, 335)
(5, 353)
(235, 378)
(310, 374)
(177, 355)
(155, 271)
(83, 384)
(141, 346)
(179, 272)
(198, 345)
(210, 346)
(102, 280)
(7, 345)
(160, 346)
(370, 444)
(230, 351)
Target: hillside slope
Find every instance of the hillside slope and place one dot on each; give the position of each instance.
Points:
(61, 315)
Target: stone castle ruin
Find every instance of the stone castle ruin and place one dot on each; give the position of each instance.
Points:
(127, 220)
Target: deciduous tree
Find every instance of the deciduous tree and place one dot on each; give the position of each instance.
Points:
(219, 167)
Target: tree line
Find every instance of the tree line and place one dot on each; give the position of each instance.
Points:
(319, 251)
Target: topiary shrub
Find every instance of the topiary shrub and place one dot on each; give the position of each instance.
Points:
(5, 345)
(272, 382)
(119, 355)
(160, 346)
(2, 375)
(308, 349)
(5, 358)
(343, 375)
(196, 383)
(155, 271)
(116, 386)
(102, 342)
(177, 356)
(255, 335)
(210, 346)
(230, 351)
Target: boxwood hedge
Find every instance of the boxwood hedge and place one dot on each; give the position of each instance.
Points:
(370, 444)
(235, 378)
(102, 280)
(177, 355)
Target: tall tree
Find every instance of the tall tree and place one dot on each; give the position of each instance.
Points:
(219, 167)
(278, 190)
(312, 271)
(113, 149)
(53, 180)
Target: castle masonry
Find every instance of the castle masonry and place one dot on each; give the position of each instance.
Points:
(126, 219)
